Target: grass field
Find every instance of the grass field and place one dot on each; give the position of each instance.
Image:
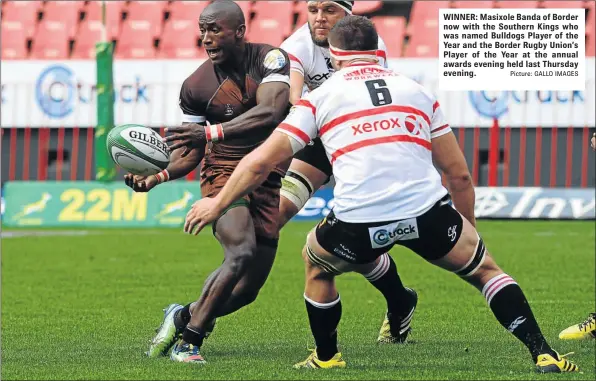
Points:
(85, 307)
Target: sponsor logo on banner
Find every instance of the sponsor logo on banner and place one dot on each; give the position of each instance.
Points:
(505, 203)
(382, 236)
(496, 104)
(59, 94)
(91, 204)
(55, 91)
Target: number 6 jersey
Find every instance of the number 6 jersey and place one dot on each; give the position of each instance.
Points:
(376, 127)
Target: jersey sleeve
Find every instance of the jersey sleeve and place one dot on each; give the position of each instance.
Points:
(439, 125)
(275, 66)
(298, 55)
(300, 124)
(193, 110)
(382, 53)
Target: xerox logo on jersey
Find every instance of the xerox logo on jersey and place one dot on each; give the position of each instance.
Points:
(379, 125)
(413, 125)
(382, 236)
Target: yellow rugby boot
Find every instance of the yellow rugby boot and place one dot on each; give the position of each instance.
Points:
(583, 330)
(313, 362)
(548, 364)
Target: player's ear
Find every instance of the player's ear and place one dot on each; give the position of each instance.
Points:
(241, 31)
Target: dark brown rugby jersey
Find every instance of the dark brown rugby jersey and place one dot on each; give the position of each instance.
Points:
(215, 95)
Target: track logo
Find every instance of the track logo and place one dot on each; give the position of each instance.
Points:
(55, 91)
(381, 236)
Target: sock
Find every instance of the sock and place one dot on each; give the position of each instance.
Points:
(182, 317)
(509, 305)
(194, 336)
(323, 319)
(386, 279)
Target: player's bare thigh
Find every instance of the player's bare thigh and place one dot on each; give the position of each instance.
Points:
(464, 254)
(293, 200)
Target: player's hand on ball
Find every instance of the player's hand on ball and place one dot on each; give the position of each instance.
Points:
(202, 213)
(594, 141)
(190, 136)
(140, 183)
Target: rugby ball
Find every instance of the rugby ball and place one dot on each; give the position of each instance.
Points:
(138, 149)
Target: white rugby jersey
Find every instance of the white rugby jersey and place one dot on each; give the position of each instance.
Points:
(313, 61)
(376, 127)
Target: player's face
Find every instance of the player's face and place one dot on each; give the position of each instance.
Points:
(219, 40)
(322, 16)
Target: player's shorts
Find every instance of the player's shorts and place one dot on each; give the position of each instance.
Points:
(315, 155)
(431, 235)
(263, 202)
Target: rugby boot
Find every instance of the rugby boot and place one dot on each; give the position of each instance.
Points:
(167, 334)
(546, 363)
(313, 362)
(185, 352)
(583, 330)
(386, 336)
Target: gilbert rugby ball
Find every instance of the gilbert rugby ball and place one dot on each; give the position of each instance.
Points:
(138, 149)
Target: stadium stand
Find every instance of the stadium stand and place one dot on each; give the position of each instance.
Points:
(114, 11)
(50, 41)
(25, 12)
(393, 31)
(14, 40)
(146, 29)
(472, 4)
(180, 40)
(67, 12)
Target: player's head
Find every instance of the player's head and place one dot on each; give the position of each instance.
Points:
(222, 28)
(353, 38)
(323, 15)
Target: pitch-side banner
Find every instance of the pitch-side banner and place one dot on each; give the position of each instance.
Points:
(501, 203)
(95, 204)
(62, 94)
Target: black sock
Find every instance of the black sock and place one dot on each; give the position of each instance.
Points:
(323, 319)
(193, 336)
(386, 279)
(182, 317)
(509, 305)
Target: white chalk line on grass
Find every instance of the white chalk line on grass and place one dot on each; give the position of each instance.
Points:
(74, 233)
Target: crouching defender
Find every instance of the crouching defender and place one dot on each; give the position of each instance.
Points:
(385, 128)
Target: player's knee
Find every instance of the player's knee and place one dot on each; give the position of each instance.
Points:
(487, 270)
(239, 257)
(247, 297)
(481, 267)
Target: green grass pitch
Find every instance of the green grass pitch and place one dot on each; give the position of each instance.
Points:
(85, 307)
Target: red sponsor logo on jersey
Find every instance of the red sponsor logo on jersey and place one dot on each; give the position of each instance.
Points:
(379, 125)
(368, 73)
(412, 125)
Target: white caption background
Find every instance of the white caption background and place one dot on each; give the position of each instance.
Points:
(511, 49)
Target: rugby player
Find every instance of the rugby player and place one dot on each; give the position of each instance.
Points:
(308, 50)
(382, 132)
(243, 90)
(587, 328)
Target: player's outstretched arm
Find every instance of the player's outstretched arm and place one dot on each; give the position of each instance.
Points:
(296, 86)
(251, 172)
(180, 165)
(450, 160)
(272, 104)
